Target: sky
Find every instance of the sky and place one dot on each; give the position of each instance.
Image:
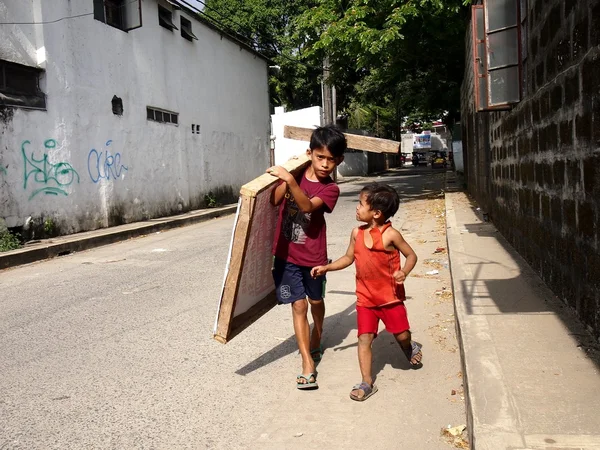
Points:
(196, 3)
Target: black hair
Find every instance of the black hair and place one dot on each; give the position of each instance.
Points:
(382, 197)
(331, 137)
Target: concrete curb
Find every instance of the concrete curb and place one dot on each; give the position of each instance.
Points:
(64, 245)
(457, 295)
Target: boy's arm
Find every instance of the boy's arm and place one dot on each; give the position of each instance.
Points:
(340, 263)
(305, 204)
(278, 194)
(409, 255)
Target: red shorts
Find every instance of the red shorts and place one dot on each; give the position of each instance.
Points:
(393, 317)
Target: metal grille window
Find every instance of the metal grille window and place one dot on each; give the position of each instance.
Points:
(186, 29)
(497, 53)
(125, 15)
(19, 86)
(161, 115)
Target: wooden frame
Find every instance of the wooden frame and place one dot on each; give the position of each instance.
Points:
(355, 141)
(249, 258)
(252, 196)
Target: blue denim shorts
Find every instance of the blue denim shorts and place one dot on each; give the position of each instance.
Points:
(293, 282)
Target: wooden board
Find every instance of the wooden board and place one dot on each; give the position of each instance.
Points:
(248, 290)
(355, 141)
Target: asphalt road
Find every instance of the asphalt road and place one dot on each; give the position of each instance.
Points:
(112, 348)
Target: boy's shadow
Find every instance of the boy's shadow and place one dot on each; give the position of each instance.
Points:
(385, 350)
(337, 327)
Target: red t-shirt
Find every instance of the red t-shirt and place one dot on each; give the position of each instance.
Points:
(301, 238)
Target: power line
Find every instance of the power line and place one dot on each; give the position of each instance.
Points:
(253, 41)
(238, 37)
(47, 22)
(62, 18)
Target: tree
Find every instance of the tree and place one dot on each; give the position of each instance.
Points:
(388, 58)
(269, 27)
(409, 54)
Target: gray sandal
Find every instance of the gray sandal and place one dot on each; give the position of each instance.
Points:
(366, 388)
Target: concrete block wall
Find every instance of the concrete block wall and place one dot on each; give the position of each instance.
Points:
(543, 156)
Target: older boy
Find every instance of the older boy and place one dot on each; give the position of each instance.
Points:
(379, 279)
(301, 242)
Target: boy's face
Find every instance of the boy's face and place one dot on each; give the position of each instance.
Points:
(364, 213)
(323, 162)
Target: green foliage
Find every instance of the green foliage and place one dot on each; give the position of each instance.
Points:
(388, 58)
(269, 27)
(409, 54)
(8, 241)
(210, 200)
(49, 226)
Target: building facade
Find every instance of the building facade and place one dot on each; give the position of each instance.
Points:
(532, 147)
(117, 111)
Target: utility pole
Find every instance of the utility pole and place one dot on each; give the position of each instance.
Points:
(327, 103)
(333, 104)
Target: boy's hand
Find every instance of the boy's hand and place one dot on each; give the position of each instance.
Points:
(399, 276)
(281, 173)
(318, 271)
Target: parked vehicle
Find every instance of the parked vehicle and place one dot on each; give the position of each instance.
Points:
(438, 160)
(419, 159)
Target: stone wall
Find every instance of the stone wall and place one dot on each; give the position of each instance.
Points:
(536, 168)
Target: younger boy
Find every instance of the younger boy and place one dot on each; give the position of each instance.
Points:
(379, 279)
(301, 242)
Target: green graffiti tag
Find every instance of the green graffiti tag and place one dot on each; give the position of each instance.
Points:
(44, 172)
(2, 170)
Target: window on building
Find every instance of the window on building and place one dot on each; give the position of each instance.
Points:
(161, 115)
(20, 86)
(125, 15)
(165, 18)
(497, 54)
(186, 29)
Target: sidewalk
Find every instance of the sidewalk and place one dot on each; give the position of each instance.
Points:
(63, 245)
(531, 379)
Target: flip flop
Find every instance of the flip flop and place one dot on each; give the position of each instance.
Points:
(415, 350)
(308, 385)
(317, 353)
(366, 388)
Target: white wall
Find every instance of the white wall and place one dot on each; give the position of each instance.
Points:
(160, 168)
(457, 155)
(306, 118)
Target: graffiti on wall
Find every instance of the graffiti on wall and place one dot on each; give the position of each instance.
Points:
(44, 176)
(2, 170)
(104, 165)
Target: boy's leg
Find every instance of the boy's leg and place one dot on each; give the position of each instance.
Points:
(365, 356)
(317, 309)
(406, 344)
(365, 362)
(289, 288)
(368, 323)
(396, 322)
(315, 290)
(302, 331)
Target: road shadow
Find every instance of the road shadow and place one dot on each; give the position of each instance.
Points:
(336, 329)
(525, 294)
(425, 185)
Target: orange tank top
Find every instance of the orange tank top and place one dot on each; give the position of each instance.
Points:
(375, 267)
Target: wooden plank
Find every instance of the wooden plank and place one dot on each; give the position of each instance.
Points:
(355, 141)
(265, 181)
(248, 290)
(244, 320)
(232, 281)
